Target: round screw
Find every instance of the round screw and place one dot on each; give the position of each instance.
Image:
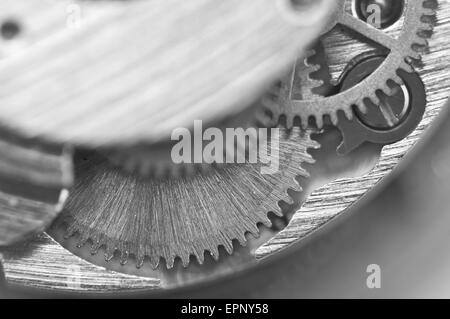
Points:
(392, 110)
(389, 11)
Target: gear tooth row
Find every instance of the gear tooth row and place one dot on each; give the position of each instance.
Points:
(319, 121)
(373, 98)
(95, 247)
(406, 67)
(296, 187)
(123, 259)
(386, 89)
(171, 257)
(334, 118)
(109, 251)
(362, 107)
(414, 55)
(185, 258)
(270, 105)
(425, 27)
(421, 42)
(429, 12)
(214, 252)
(348, 112)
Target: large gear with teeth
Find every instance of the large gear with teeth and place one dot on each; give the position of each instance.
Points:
(154, 160)
(403, 51)
(131, 219)
(168, 219)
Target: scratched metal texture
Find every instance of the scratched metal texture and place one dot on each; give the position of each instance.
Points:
(333, 199)
(43, 264)
(143, 68)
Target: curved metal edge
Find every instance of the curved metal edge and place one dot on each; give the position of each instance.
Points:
(315, 212)
(43, 264)
(334, 199)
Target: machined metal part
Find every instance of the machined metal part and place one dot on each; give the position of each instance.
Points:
(178, 218)
(88, 74)
(357, 132)
(323, 204)
(404, 43)
(333, 199)
(154, 160)
(49, 266)
(33, 188)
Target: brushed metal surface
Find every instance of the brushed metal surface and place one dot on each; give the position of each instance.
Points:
(48, 266)
(331, 200)
(135, 70)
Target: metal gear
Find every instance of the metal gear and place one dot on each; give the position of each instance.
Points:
(403, 52)
(393, 120)
(178, 218)
(33, 188)
(154, 160)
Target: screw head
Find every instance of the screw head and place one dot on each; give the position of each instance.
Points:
(390, 11)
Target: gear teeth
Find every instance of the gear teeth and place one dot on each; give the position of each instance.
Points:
(375, 100)
(348, 112)
(334, 118)
(421, 41)
(289, 200)
(82, 240)
(290, 121)
(406, 66)
(428, 12)
(109, 254)
(78, 219)
(264, 119)
(306, 73)
(397, 79)
(421, 17)
(95, 247)
(387, 90)
(124, 258)
(140, 259)
(154, 262)
(170, 261)
(155, 162)
(185, 258)
(214, 252)
(319, 121)
(241, 239)
(200, 256)
(414, 55)
(271, 112)
(228, 247)
(426, 27)
(296, 187)
(274, 208)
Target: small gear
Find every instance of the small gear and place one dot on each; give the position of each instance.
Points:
(303, 71)
(403, 52)
(178, 218)
(393, 119)
(155, 160)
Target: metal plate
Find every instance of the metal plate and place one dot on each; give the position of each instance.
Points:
(325, 203)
